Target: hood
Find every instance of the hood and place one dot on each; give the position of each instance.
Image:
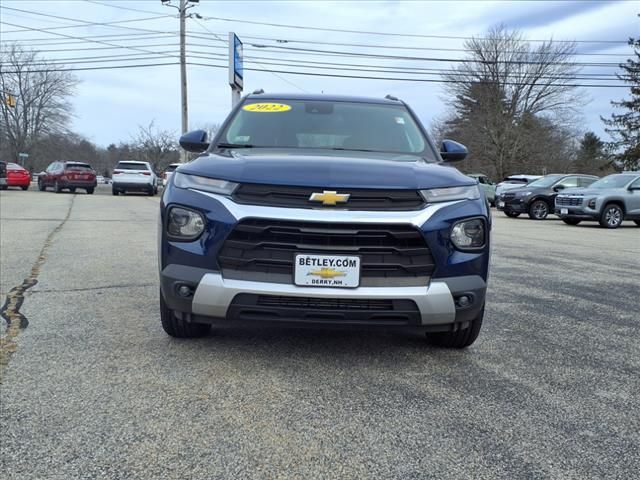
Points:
(588, 191)
(326, 169)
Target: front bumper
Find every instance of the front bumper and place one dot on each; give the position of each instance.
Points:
(214, 299)
(582, 212)
(517, 205)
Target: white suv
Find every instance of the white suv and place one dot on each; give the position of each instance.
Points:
(134, 176)
(168, 172)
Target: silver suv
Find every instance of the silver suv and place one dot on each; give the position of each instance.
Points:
(134, 176)
(608, 201)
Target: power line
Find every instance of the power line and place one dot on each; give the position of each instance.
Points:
(396, 47)
(119, 7)
(80, 38)
(322, 66)
(407, 35)
(117, 37)
(290, 72)
(114, 24)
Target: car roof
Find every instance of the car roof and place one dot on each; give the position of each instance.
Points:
(316, 97)
(132, 161)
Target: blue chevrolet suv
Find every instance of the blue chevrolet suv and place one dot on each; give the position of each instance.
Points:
(323, 210)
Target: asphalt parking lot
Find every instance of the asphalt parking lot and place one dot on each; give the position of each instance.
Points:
(93, 388)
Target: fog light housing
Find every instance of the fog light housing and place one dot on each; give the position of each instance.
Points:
(592, 203)
(184, 224)
(469, 234)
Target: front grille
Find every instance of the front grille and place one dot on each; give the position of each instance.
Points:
(298, 197)
(264, 250)
(508, 196)
(343, 311)
(569, 201)
(325, 303)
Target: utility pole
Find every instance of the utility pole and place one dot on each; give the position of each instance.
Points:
(182, 11)
(183, 66)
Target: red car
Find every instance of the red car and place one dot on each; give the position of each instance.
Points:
(17, 176)
(69, 176)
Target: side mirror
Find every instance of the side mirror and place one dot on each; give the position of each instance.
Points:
(194, 141)
(451, 151)
(633, 187)
(557, 188)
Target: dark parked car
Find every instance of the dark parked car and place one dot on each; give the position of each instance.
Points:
(69, 176)
(538, 197)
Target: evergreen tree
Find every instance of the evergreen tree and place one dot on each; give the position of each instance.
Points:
(624, 128)
(591, 157)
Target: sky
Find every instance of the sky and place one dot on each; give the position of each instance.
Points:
(110, 103)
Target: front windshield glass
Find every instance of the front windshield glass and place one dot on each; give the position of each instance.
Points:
(612, 181)
(326, 125)
(545, 181)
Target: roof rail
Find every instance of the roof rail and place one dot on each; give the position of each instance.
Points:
(391, 97)
(258, 91)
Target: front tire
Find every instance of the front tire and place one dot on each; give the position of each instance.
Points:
(26, 187)
(178, 328)
(90, 191)
(571, 221)
(511, 214)
(538, 210)
(611, 216)
(41, 186)
(151, 193)
(637, 222)
(72, 189)
(460, 338)
(56, 187)
(114, 192)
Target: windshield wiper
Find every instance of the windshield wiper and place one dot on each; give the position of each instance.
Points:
(233, 145)
(353, 149)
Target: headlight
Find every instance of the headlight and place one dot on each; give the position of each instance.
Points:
(469, 192)
(184, 224)
(213, 185)
(468, 234)
(523, 194)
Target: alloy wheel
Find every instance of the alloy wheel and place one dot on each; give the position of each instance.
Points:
(613, 216)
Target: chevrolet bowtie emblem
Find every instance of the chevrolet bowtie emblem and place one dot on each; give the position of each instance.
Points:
(329, 197)
(327, 273)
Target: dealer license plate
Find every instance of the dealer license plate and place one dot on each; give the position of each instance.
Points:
(564, 211)
(327, 271)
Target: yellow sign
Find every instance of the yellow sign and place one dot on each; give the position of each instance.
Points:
(327, 273)
(10, 100)
(329, 197)
(267, 107)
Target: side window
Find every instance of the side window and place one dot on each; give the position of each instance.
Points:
(586, 181)
(569, 182)
(636, 184)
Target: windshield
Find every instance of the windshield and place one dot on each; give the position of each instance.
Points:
(131, 166)
(326, 125)
(612, 181)
(77, 166)
(545, 181)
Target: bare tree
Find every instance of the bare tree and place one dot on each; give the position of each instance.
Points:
(158, 147)
(42, 106)
(503, 86)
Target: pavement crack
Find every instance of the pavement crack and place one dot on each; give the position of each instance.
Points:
(10, 310)
(88, 289)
